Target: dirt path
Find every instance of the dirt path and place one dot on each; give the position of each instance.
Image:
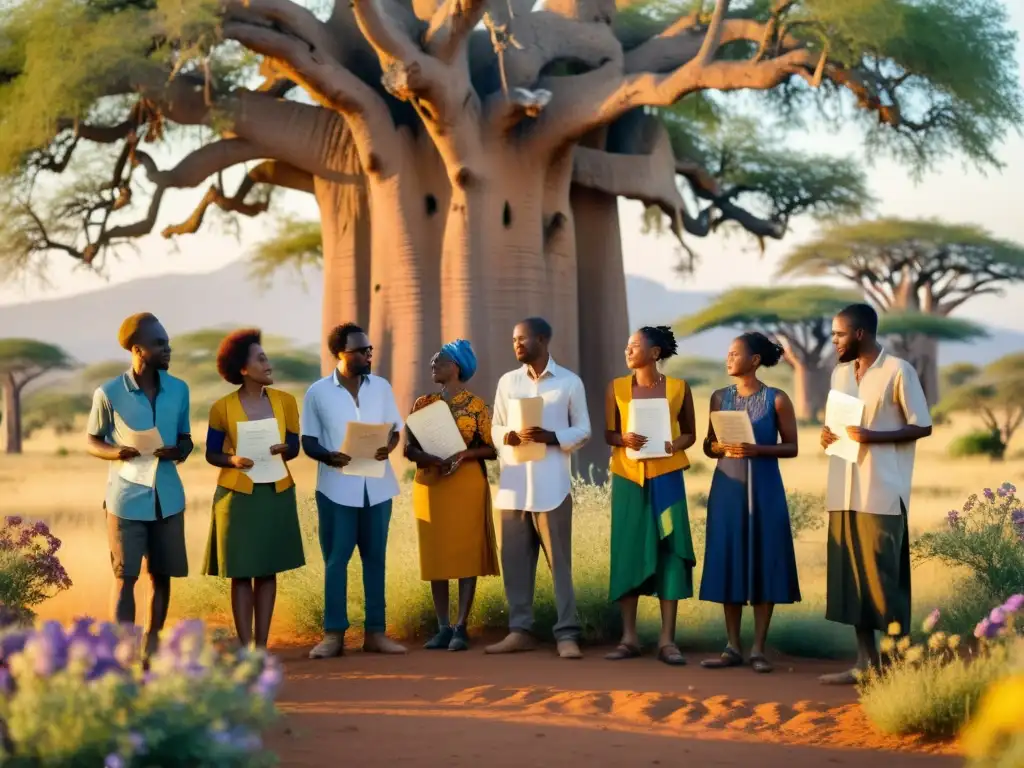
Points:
(443, 709)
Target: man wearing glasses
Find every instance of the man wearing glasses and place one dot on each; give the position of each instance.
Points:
(353, 511)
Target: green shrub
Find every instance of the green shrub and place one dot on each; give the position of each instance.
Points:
(79, 697)
(980, 443)
(985, 536)
(806, 512)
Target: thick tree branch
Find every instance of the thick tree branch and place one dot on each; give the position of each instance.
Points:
(450, 27)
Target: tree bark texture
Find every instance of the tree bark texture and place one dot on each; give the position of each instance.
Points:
(811, 383)
(12, 414)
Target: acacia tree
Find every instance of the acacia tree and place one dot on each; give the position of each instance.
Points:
(996, 395)
(923, 267)
(799, 318)
(905, 330)
(460, 145)
(23, 361)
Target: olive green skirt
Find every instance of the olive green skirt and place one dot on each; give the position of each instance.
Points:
(254, 535)
(868, 570)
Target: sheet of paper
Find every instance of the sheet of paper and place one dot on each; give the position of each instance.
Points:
(842, 411)
(524, 413)
(362, 441)
(255, 439)
(733, 427)
(651, 419)
(435, 430)
(142, 469)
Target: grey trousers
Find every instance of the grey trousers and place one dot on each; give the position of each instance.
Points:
(523, 535)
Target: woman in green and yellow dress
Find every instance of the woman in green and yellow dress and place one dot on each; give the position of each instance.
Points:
(452, 499)
(651, 548)
(254, 527)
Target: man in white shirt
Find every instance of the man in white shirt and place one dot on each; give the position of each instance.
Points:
(869, 539)
(535, 496)
(353, 511)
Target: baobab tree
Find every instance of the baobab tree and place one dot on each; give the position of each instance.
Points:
(22, 361)
(923, 267)
(799, 318)
(443, 155)
(904, 332)
(995, 395)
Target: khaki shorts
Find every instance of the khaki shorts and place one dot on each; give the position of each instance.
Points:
(161, 542)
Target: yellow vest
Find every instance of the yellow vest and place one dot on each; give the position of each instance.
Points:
(638, 471)
(224, 417)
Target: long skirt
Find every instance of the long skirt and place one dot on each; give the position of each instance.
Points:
(254, 535)
(868, 570)
(651, 547)
(455, 525)
(749, 555)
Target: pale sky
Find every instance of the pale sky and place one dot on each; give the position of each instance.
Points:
(951, 193)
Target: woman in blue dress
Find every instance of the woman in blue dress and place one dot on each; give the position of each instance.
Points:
(749, 559)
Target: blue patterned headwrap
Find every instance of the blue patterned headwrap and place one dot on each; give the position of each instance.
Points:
(461, 353)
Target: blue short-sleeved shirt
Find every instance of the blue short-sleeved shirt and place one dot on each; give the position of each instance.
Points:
(122, 402)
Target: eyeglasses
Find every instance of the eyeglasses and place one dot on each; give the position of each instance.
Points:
(359, 351)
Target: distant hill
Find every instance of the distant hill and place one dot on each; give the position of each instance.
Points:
(86, 324)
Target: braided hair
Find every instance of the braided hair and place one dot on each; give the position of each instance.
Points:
(661, 336)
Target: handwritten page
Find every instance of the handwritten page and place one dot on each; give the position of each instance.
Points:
(435, 429)
(362, 441)
(525, 413)
(255, 439)
(842, 411)
(733, 428)
(651, 419)
(142, 469)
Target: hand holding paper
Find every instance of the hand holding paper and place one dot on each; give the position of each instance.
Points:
(140, 470)
(362, 444)
(255, 440)
(842, 411)
(651, 419)
(525, 413)
(435, 430)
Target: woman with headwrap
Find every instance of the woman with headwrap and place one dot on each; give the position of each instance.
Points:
(452, 498)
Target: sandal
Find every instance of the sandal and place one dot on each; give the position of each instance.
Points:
(623, 651)
(760, 664)
(730, 658)
(671, 655)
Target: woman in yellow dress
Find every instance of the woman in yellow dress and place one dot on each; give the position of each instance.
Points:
(452, 498)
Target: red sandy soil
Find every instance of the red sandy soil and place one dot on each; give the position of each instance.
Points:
(435, 708)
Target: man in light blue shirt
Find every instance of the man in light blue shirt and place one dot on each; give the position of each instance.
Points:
(143, 520)
(353, 511)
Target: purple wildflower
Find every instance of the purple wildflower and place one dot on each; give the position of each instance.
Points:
(1014, 604)
(997, 616)
(13, 521)
(989, 494)
(982, 629)
(114, 760)
(953, 518)
(931, 620)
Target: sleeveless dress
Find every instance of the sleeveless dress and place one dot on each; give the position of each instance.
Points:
(728, 556)
(651, 547)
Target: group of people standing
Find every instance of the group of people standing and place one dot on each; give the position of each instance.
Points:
(749, 556)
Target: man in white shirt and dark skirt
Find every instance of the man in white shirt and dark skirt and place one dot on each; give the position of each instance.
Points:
(535, 497)
(869, 539)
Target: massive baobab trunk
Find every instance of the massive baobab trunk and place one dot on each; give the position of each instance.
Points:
(603, 311)
(345, 228)
(12, 413)
(811, 383)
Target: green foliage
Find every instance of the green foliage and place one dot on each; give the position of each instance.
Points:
(996, 395)
(768, 308)
(30, 571)
(956, 375)
(986, 537)
(883, 246)
(297, 245)
(58, 411)
(982, 442)
(28, 357)
(939, 327)
(929, 689)
(697, 371)
(806, 512)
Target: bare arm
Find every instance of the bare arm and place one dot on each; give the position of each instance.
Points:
(687, 424)
(711, 441)
(787, 447)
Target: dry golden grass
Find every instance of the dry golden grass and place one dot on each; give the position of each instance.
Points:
(57, 482)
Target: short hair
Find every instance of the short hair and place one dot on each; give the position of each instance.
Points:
(233, 353)
(539, 327)
(129, 329)
(661, 336)
(769, 351)
(337, 340)
(862, 317)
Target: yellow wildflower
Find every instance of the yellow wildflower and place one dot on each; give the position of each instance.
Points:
(887, 645)
(915, 654)
(894, 629)
(937, 641)
(999, 713)
(954, 642)
(903, 644)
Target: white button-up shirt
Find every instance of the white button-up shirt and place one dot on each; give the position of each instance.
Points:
(541, 486)
(881, 478)
(326, 412)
